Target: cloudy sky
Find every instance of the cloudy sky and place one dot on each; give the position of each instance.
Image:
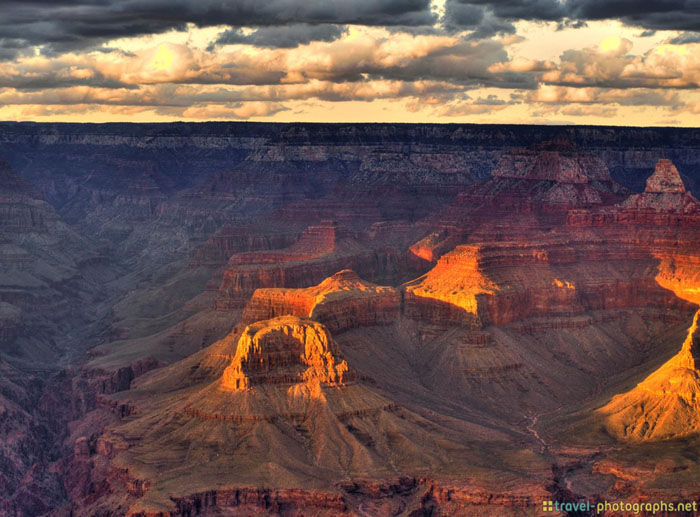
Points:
(621, 62)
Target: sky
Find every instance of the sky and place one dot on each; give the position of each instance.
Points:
(607, 62)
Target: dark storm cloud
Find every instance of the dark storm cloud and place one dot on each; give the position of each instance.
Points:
(61, 26)
(11, 48)
(682, 15)
(57, 81)
(69, 25)
(487, 18)
(463, 15)
(687, 37)
(679, 15)
(550, 10)
(604, 9)
(282, 36)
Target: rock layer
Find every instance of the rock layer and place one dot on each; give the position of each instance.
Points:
(553, 176)
(561, 275)
(320, 251)
(340, 302)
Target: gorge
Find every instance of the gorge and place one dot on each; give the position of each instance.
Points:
(337, 319)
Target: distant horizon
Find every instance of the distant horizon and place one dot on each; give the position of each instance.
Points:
(340, 123)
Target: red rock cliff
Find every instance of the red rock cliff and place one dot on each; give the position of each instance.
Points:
(340, 302)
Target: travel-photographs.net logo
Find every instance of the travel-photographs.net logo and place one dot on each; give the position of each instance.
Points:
(621, 508)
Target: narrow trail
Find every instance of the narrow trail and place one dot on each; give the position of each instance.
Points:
(531, 427)
(562, 488)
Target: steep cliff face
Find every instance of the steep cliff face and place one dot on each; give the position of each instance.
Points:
(11, 325)
(34, 412)
(559, 162)
(561, 275)
(447, 294)
(13, 184)
(21, 206)
(666, 404)
(226, 242)
(320, 251)
(282, 351)
(45, 271)
(342, 301)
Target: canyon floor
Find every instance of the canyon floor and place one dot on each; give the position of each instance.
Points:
(260, 319)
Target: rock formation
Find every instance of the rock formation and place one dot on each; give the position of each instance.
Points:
(666, 404)
(448, 293)
(665, 179)
(340, 302)
(664, 202)
(10, 322)
(229, 241)
(13, 184)
(285, 351)
(554, 176)
(280, 369)
(665, 192)
(291, 412)
(320, 251)
(21, 206)
(562, 275)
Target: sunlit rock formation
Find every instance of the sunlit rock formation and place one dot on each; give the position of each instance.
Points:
(340, 302)
(666, 404)
(282, 368)
(561, 275)
(286, 411)
(448, 293)
(285, 351)
(320, 251)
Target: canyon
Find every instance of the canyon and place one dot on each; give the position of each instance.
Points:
(317, 319)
